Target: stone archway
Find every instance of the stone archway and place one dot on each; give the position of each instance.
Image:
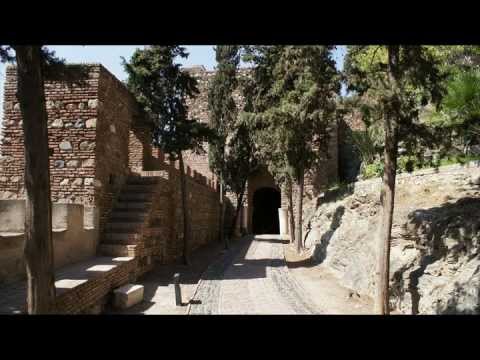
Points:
(261, 178)
(266, 202)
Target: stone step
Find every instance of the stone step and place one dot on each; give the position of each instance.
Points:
(121, 238)
(135, 196)
(114, 249)
(128, 216)
(142, 205)
(124, 225)
(127, 296)
(149, 188)
(143, 180)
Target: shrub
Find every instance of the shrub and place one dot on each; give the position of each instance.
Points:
(373, 169)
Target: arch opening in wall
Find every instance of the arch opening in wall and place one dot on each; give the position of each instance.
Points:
(266, 202)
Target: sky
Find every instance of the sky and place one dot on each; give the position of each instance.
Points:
(110, 57)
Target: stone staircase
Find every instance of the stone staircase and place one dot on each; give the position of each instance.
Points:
(128, 231)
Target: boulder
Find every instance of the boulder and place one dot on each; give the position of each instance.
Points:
(435, 252)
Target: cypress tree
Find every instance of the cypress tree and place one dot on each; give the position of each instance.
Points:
(161, 88)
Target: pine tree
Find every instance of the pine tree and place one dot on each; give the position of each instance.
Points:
(223, 113)
(161, 88)
(231, 152)
(295, 88)
(399, 81)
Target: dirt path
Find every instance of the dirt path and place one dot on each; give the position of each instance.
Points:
(324, 288)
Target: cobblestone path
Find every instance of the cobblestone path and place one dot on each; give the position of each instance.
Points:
(252, 278)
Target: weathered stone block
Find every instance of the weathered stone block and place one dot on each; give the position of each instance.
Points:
(79, 124)
(91, 123)
(77, 182)
(65, 145)
(92, 104)
(88, 181)
(88, 163)
(73, 163)
(57, 123)
(128, 295)
(85, 145)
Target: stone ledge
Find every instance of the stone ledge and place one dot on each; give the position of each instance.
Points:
(128, 295)
(79, 286)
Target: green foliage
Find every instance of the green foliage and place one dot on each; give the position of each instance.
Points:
(374, 169)
(240, 161)
(419, 80)
(161, 88)
(408, 164)
(221, 105)
(369, 143)
(455, 159)
(459, 114)
(293, 106)
(231, 154)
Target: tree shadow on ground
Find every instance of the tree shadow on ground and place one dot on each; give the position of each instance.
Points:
(273, 241)
(456, 223)
(162, 277)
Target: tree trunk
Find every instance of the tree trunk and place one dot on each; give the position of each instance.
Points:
(291, 216)
(186, 218)
(299, 212)
(38, 249)
(223, 239)
(237, 210)
(387, 196)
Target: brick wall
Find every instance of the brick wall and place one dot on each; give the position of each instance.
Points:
(316, 181)
(202, 202)
(72, 113)
(88, 129)
(116, 110)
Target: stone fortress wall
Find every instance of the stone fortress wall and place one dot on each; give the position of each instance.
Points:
(315, 181)
(97, 140)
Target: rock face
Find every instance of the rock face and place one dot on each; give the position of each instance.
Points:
(435, 254)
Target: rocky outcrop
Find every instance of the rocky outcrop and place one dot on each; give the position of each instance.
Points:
(435, 254)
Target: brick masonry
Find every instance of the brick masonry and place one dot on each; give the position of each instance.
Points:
(316, 181)
(98, 139)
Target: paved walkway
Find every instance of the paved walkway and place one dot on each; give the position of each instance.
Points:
(252, 278)
(159, 293)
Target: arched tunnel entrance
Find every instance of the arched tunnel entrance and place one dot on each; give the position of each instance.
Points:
(266, 202)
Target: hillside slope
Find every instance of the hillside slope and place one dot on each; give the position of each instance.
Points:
(435, 256)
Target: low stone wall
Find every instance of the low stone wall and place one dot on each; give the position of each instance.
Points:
(73, 240)
(166, 223)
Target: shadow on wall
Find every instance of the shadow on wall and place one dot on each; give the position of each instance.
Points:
(457, 307)
(74, 231)
(320, 251)
(447, 233)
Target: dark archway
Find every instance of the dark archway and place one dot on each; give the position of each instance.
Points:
(266, 202)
